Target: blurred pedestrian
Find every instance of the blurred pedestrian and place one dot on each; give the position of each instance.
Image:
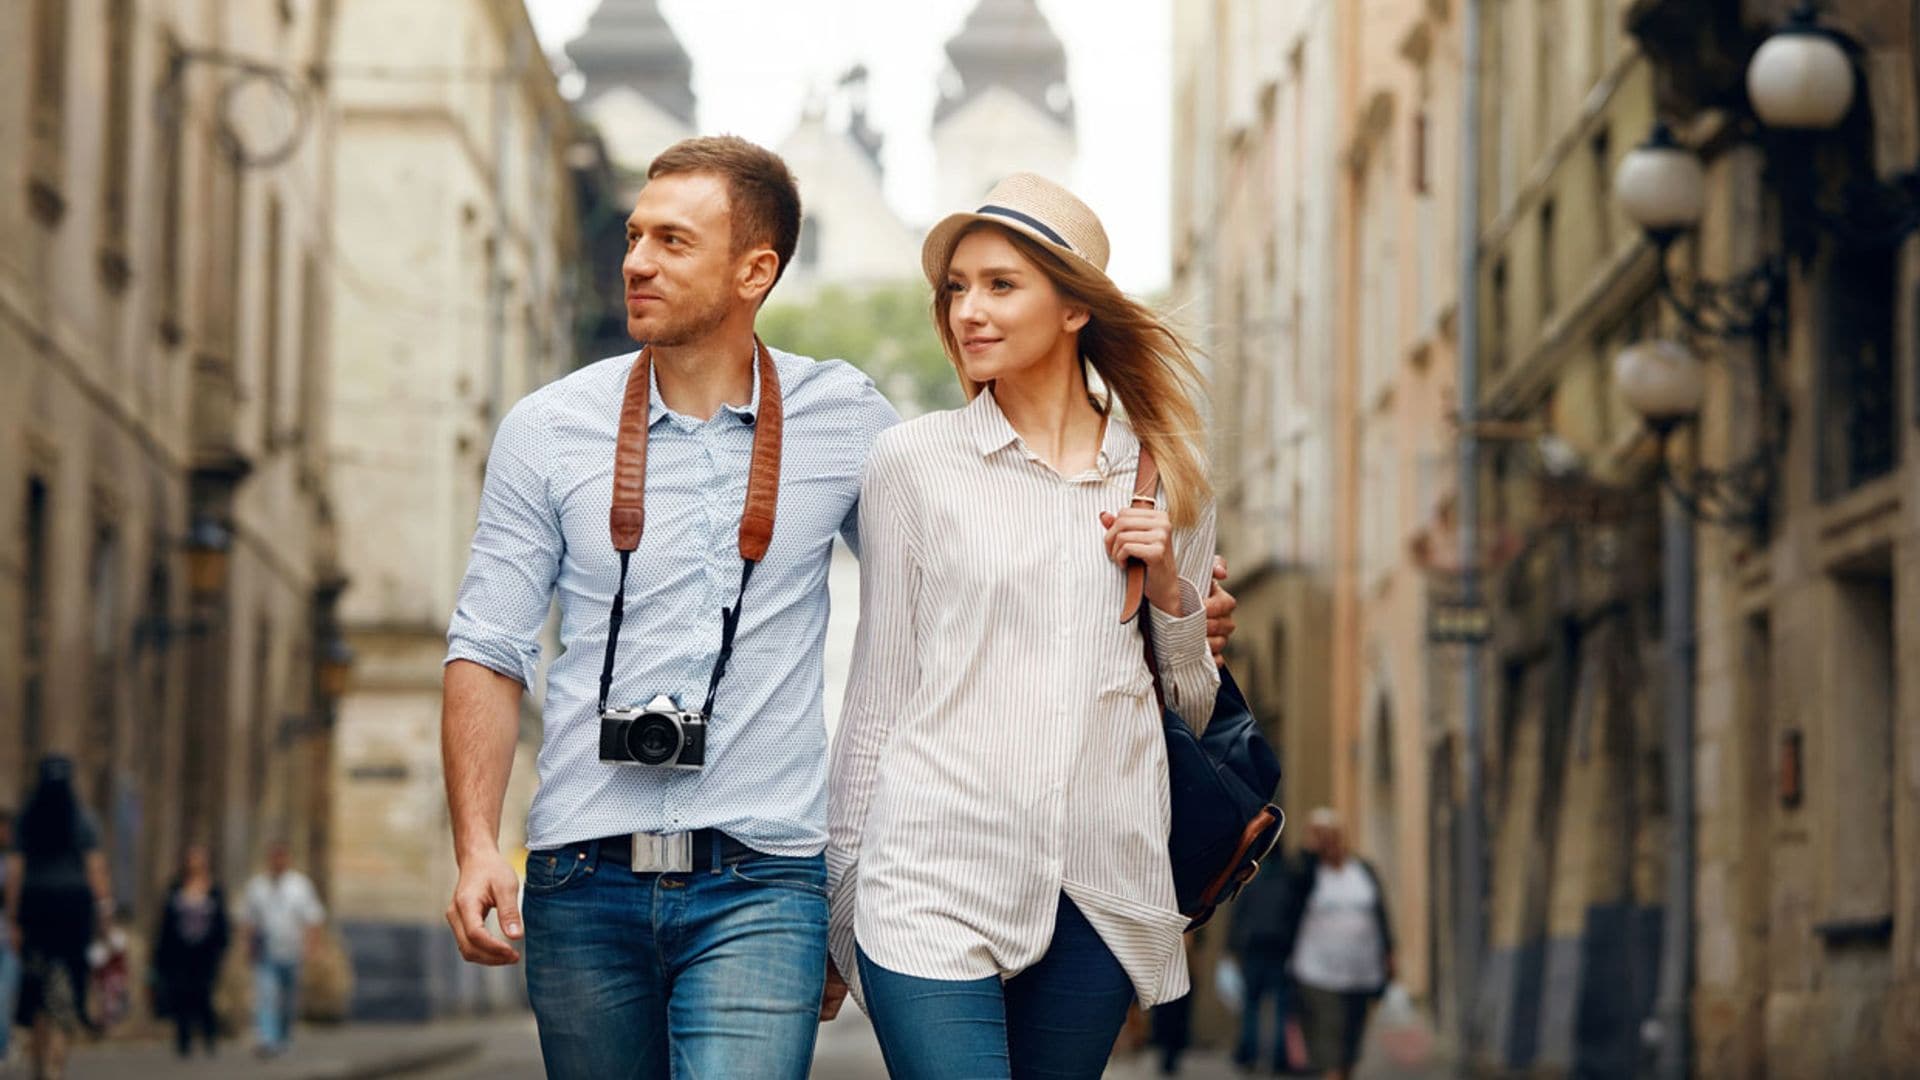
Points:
(57, 896)
(283, 916)
(9, 956)
(1261, 941)
(1343, 952)
(188, 949)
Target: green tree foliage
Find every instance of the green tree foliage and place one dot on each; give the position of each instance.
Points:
(883, 330)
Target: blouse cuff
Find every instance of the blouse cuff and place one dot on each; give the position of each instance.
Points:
(1178, 637)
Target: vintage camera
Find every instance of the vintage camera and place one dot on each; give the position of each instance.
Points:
(660, 734)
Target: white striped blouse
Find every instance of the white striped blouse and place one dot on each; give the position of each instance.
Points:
(1000, 743)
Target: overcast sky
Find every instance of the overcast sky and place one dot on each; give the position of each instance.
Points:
(755, 61)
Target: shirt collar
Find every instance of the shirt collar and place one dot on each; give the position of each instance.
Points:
(992, 433)
(657, 408)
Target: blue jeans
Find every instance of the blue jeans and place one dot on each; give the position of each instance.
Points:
(713, 974)
(275, 983)
(1266, 977)
(1057, 1020)
(9, 994)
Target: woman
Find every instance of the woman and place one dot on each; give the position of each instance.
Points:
(56, 882)
(998, 816)
(1343, 951)
(187, 953)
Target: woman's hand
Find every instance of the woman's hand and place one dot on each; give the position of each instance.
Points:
(1146, 533)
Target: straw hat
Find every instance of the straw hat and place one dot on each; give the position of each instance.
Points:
(1027, 204)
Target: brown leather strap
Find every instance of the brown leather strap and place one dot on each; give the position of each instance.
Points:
(628, 517)
(1146, 482)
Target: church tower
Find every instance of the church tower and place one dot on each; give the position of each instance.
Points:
(1004, 104)
(639, 91)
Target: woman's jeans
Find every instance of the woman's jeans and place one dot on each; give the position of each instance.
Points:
(1056, 1020)
(715, 973)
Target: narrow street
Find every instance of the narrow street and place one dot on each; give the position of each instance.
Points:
(507, 1048)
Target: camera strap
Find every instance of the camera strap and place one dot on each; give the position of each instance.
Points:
(627, 519)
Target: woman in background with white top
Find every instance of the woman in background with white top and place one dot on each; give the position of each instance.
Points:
(1343, 948)
(998, 812)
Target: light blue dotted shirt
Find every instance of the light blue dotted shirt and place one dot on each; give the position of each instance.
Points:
(543, 531)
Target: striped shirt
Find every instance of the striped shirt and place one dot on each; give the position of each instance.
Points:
(1000, 743)
(542, 534)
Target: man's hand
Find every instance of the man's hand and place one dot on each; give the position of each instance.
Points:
(1220, 604)
(487, 883)
(835, 995)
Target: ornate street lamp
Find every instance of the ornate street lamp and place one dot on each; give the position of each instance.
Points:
(1662, 187)
(1665, 383)
(336, 668)
(1662, 381)
(1800, 78)
(209, 543)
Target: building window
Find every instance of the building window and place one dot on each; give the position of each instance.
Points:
(34, 631)
(169, 146)
(100, 726)
(47, 111)
(1859, 438)
(1858, 748)
(312, 363)
(1549, 263)
(270, 347)
(1496, 344)
(261, 724)
(807, 251)
(1420, 141)
(1600, 154)
(115, 149)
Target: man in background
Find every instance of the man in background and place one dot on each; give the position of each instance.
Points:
(283, 916)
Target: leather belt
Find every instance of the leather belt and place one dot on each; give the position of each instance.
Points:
(669, 853)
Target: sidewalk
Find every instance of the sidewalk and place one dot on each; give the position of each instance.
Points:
(334, 1052)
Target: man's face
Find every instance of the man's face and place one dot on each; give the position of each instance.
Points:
(279, 860)
(681, 275)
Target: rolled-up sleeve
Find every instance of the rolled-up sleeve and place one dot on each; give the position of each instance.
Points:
(1187, 671)
(517, 547)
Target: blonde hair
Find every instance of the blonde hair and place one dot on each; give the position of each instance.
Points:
(1146, 365)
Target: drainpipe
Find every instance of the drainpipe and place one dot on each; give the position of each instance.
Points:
(1670, 1030)
(1469, 902)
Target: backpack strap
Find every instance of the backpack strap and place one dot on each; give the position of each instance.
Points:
(1146, 482)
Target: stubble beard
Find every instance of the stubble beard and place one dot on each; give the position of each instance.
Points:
(693, 326)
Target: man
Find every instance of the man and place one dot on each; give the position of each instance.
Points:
(675, 918)
(1261, 940)
(283, 916)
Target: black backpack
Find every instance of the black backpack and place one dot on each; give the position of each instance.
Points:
(1223, 784)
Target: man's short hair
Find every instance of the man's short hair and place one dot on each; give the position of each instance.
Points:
(761, 192)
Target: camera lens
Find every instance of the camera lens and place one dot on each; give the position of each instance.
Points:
(653, 739)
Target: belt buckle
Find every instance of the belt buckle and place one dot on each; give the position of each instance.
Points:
(663, 853)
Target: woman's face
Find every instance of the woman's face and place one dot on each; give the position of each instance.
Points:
(1006, 314)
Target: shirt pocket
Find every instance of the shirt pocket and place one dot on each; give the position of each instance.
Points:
(1123, 675)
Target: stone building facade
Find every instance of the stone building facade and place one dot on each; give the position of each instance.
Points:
(1396, 207)
(1807, 756)
(166, 526)
(1254, 255)
(452, 280)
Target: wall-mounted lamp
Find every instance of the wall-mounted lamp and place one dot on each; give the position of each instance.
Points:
(1665, 383)
(335, 670)
(209, 544)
